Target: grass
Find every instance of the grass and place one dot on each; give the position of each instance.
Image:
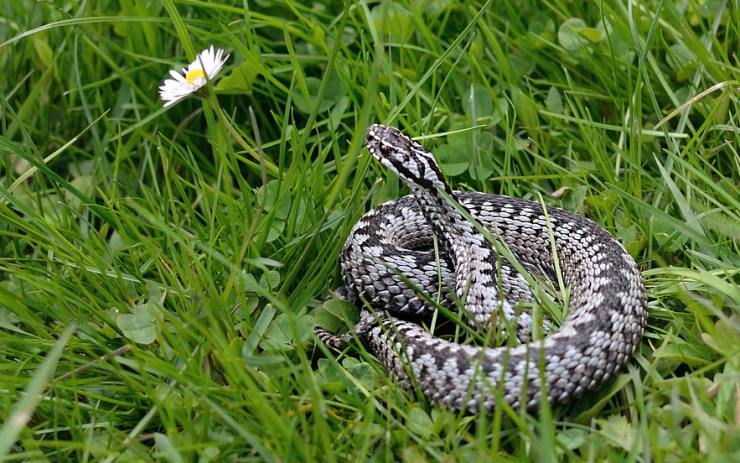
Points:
(160, 269)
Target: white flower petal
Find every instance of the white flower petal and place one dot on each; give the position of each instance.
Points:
(209, 62)
(178, 77)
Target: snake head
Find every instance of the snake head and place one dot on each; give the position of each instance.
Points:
(408, 159)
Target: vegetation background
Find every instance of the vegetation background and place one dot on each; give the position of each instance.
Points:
(161, 270)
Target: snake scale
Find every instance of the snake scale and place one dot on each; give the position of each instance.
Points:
(391, 269)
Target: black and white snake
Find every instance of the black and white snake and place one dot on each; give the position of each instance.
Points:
(391, 269)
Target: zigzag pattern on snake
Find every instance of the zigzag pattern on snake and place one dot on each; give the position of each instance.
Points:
(388, 262)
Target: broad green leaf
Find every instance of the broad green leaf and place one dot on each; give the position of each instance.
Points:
(683, 352)
(571, 438)
(276, 230)
(275, 195)
(526, 108)
(393, 20)
(140, 326)
(334, 93)
(619, 431)
(452, 160)
(478, 102)
(542, 26)
(336, 315)
(362, 371)
(166, 449)
(592, 34)
(329, 376)
(270, 279)
(569, 34)
(419, 422)
(554, 102)
(287, 331)
(240, 80)
(249, 283)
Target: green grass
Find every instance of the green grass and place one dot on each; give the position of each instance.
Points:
(159, 271)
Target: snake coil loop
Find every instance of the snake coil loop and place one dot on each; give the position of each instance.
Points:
(388, 259)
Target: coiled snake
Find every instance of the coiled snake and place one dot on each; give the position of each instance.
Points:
(388, 262)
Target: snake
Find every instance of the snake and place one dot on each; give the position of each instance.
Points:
(469, 252)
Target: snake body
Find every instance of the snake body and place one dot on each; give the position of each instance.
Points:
(390, 267)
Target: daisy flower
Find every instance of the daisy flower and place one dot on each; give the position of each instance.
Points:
(207, 64)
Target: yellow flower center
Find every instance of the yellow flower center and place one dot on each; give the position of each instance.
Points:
(194, 75)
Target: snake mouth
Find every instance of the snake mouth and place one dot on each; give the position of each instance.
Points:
(389, 146)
